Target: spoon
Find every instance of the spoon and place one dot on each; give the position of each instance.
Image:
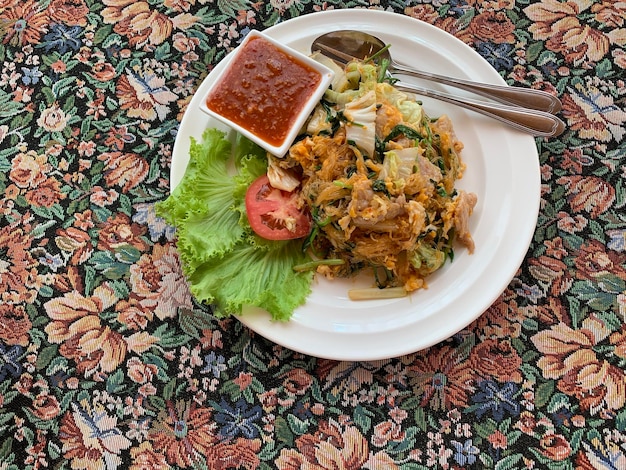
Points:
(534, 122)
(346, 45)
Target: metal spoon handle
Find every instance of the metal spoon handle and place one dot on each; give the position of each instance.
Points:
(526, 97)
(537, 123)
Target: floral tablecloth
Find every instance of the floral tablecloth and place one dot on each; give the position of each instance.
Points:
(106, 362)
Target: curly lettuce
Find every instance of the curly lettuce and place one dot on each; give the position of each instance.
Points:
(226, 264)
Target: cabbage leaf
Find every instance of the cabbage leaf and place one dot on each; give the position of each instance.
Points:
(361, 122)
(412, 111)
(399, 164)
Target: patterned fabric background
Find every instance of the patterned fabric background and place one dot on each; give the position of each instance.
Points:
(106, 362)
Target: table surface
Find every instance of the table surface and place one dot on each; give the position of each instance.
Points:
(105, 361)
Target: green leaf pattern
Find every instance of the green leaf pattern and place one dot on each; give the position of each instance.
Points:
(107, 361)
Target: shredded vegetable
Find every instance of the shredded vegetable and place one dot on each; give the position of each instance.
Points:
(378, 175)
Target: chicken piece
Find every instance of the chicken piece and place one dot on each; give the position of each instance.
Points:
(428, 169)
(387, 117)
(362, 194)
(443, 126)
(464, 206)
(380, 210)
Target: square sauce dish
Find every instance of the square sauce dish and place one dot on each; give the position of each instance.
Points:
(267, 91)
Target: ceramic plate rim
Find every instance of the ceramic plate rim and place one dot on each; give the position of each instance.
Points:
(328, 325)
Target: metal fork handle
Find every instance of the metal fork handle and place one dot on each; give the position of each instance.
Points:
(526, 97)
(536, 123)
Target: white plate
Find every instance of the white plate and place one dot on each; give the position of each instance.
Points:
(502, 169)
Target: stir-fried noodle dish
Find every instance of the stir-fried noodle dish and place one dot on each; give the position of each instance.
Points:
(378, 175)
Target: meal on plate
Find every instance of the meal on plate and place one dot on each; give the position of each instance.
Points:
(368, 185)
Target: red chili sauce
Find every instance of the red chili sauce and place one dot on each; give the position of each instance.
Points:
(264, 90)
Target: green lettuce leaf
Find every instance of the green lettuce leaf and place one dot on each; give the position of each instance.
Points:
(208, 155)
(201, 205)
(225, 263)
(256, 275)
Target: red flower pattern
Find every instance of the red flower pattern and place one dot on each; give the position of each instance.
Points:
(106, 360)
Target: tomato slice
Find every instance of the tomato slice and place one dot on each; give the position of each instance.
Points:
(273, 213)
